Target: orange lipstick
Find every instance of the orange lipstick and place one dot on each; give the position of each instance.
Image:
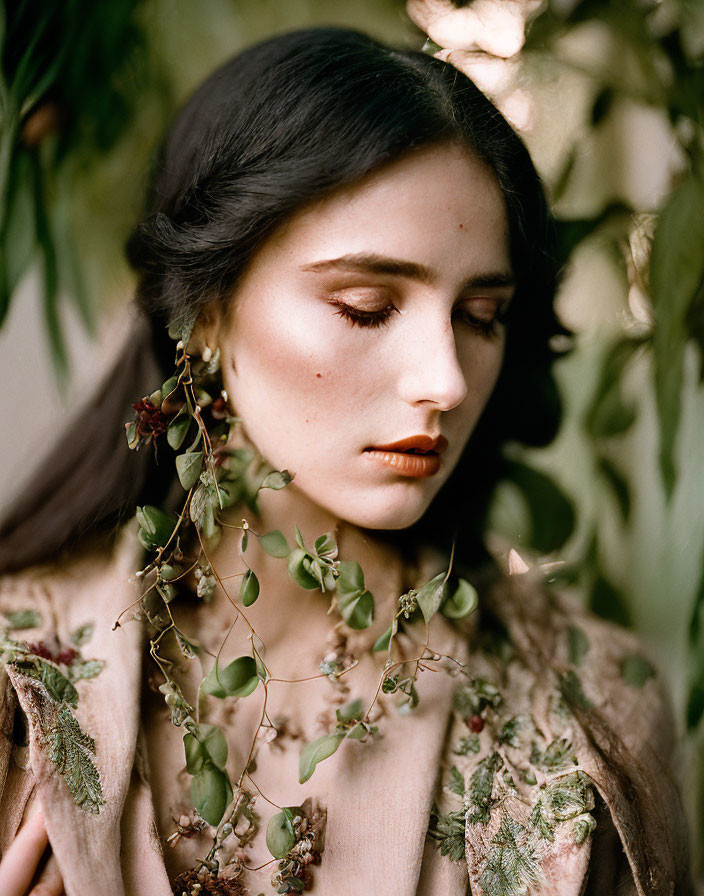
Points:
(416, 456)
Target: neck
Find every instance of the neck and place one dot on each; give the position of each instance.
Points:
(286, 611)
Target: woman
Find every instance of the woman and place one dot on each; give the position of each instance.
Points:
(351, 250)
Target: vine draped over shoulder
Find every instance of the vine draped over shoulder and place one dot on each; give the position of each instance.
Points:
(535, 762)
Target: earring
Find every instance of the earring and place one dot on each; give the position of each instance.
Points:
(207, 354)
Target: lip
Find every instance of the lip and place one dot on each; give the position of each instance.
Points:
(421, 442)
(396, 455)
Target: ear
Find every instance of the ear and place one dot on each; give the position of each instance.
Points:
(206, 332)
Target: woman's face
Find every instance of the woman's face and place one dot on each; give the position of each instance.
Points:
(371, 316)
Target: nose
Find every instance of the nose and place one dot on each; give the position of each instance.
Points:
(431, 371)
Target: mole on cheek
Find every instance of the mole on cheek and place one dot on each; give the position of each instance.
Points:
(318, 375)
(461, 226)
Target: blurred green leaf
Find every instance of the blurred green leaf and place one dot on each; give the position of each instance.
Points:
(676, 275)
(607, 601)
(619, 486)
(552, 513)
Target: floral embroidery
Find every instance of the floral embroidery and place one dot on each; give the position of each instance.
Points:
(50, 674)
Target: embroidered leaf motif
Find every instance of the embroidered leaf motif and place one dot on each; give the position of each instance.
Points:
(584, 825)
(570, 795)
(572, 691)
(558, 755)
(540, 822)
(448, 832)
(480, 788)
(24, 619)
(467, 745)
(636, 670)
(577, 645)
(58, 686)
(475, 694)
(510, 731)
(82, 634)
(70, 751)
(456, 784)
(511, 861)
(85, 669)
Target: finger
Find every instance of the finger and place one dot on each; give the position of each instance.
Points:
(491, 74)
(50, 882)
(23, 856)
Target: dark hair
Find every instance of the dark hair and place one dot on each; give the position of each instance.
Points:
(281, 124)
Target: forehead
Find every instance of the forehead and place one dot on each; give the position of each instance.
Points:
(437, 202)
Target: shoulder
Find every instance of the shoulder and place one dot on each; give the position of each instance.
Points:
(42, 601)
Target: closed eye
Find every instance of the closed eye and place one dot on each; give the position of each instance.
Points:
(360, 318)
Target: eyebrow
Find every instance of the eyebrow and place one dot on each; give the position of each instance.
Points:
(371, 263)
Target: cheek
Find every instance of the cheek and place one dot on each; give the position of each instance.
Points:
(291, 363)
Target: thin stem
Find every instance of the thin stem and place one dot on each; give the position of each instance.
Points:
(262, 795)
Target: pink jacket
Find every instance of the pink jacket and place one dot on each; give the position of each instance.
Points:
(542, 796)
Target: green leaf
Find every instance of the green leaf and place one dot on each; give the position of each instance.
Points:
(275, 544)
(262, 671)
(155, 526)
(636, 670)
(351, 710)
(187, 647)
(23, 619)
(315, 752)
(214, 743)
(249, 591)
(178, 430)
(552, 513)
(299, 537)
(276, 479)
(357, 609)
(350, 577)
(211, 793)
(188, 467)
(280, 836)
(602, 105)
(607, 602)
(383, 641)
(236, 680)
(431, 595)
(619, 486)
(195, 753)
(676, 274)
(297, 570)
(463, 602)
(325, 545)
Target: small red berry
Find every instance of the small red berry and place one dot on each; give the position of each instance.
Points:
(67, 656)
(475, 724)
(40, 649)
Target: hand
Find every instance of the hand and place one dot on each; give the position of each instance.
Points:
(482, 40)
(24, 870)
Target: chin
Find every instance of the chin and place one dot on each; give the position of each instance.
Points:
(398, 514)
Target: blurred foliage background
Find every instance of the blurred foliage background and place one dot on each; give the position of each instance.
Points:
(86, 90)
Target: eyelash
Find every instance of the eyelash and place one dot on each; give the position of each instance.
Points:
(381, 318)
